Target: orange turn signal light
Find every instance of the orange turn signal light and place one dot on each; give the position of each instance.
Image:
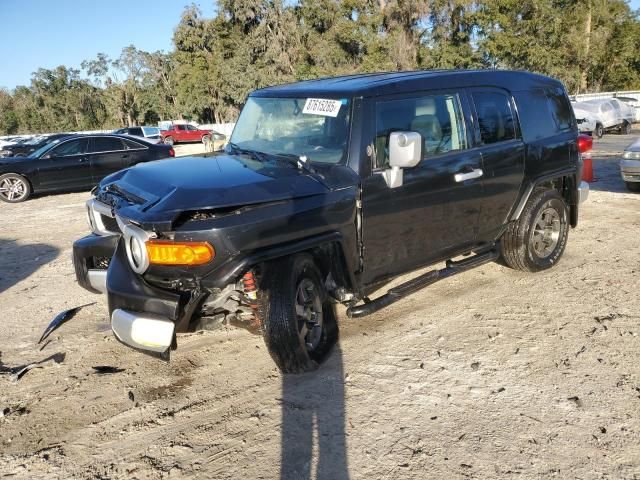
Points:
(179, 253)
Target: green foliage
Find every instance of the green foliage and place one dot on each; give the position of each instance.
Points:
(588, 44)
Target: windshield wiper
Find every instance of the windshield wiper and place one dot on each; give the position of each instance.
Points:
(300, 162)
(245, 151)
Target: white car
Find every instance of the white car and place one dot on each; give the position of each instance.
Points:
(610, 114)
(630, 166)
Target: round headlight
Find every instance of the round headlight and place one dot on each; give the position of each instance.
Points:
(136, 251)
(135, 240)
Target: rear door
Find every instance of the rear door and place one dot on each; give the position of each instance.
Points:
(136, 153)
(66, 166)
(503, 155)
(193, 134)
(108, 155)
(435, 212)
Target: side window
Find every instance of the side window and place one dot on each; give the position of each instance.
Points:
(494, 117)
(191, 128)
(136, 131)
(560, 108)
(106, 144)
(72, 147)
(535, 118)
(131, 145)
(180, 127)
(437, 118)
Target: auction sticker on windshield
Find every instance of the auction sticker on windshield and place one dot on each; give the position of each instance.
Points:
(322, 106)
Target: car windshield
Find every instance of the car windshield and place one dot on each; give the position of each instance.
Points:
(148, 131)
(312, 127)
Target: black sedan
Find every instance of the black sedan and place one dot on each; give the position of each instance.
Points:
(26, 147)
(75, 162)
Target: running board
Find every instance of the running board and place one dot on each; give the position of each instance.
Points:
(418, 283)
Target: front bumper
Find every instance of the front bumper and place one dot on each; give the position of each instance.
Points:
(142, 316)
(630, 170)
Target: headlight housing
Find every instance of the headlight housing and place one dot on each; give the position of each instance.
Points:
(135, 240)
(631, 155)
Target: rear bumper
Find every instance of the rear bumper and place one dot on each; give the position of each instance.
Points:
(630, 170)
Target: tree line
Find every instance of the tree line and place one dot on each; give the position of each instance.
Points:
(591, 45)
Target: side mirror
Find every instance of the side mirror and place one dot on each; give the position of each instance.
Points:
(405, 151)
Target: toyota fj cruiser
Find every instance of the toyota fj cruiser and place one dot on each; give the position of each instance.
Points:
(328, 189)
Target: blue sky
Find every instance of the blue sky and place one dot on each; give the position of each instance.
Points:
(48, 33)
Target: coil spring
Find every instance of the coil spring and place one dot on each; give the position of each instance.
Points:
(251, 294)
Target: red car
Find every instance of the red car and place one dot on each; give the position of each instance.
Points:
(185, 133)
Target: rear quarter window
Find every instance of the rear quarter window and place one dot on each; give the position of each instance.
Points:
(543, 113)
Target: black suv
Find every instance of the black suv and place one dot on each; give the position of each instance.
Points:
(327, 189)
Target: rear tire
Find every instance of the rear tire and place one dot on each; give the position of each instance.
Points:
(626, 128)
(168, 141)
(633, 186)
(298, 321)
(538, 239)
(14, 188)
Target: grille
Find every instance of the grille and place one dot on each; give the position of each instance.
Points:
(110, 223)
(101, 262)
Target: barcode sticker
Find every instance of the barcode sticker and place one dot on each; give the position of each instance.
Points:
(322, 106)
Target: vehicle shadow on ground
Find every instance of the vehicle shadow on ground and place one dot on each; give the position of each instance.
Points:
(19, 261)
(313, 411)
(606, 172)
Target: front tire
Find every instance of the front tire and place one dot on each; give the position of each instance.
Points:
(633, 186)
(599, 131)
(14, 188)
(169, 141)
(538, 239)
(298, 321)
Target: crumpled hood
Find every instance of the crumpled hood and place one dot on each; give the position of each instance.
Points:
(163, 189)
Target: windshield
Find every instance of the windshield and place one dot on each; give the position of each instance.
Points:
(311, 127)
(149, 131)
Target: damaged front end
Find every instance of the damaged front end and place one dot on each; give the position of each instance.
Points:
(152, 299)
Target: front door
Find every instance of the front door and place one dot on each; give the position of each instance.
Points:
(66, 166)
(435, 212)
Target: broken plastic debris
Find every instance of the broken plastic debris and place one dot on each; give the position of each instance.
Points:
(61, 319)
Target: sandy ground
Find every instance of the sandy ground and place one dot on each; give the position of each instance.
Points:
(490, 374)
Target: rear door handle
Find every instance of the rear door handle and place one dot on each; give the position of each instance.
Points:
(462, 177)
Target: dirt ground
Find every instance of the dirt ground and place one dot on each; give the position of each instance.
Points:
(490, 374)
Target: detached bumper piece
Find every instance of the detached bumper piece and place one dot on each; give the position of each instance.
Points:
(150, 333)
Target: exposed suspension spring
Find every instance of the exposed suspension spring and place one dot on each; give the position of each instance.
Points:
(251, 294)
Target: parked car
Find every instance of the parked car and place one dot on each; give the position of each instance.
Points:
(587, 122)
(633, 103)
(12, 140)
(151, 134)
(74, 162)
(630, 166)
(26, 147)
(181, 133)
(327, 190)
(610, 114)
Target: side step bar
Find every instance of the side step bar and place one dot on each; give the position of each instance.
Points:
(424, 280)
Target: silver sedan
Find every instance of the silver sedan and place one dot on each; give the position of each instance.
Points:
(630, 166)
